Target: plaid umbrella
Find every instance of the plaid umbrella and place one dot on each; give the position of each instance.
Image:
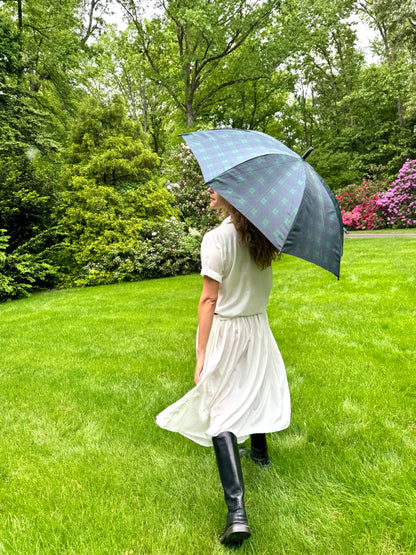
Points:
(274, 188)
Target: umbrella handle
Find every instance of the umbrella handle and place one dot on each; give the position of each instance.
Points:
(307, 152)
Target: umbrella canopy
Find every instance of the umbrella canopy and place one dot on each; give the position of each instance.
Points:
(274, 188)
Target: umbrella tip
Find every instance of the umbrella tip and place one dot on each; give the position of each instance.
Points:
(307, 152)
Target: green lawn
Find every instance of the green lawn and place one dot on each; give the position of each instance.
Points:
(406, 231)
(83, 373)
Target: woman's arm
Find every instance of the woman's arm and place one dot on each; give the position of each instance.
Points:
(206, 309)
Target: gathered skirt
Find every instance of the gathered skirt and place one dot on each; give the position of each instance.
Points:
(243, 387)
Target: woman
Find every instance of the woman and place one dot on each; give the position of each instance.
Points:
(241, 386)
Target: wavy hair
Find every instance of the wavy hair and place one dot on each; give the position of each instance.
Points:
(262, 251)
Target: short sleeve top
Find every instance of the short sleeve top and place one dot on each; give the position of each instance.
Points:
(244, 287)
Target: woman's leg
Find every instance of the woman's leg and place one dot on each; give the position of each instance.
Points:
(229, 466)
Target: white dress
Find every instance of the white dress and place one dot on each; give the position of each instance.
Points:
(243, 387)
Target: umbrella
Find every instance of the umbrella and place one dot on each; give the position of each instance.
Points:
(274, 188)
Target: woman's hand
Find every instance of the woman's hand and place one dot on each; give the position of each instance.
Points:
(199, 367)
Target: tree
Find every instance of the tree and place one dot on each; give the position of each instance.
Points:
(327, 64)
(91, 14)
(191, 45)
(22, 122)
(120, 68)
(111, 184)
(392, 19)
(257, 103)
(253, 105)
(26, 181)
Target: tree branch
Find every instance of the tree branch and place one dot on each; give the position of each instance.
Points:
(90, 28)
(205, 100)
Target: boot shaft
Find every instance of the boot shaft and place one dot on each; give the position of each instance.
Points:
(259, 452)
(229, 466)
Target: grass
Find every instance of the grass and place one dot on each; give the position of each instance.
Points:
(83, 373)
(389, 231)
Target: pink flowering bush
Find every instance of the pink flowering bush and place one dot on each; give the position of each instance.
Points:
(398, 204)
(359, 203)
(188, 187)
(364, 216)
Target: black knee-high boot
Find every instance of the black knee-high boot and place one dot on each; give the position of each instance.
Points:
(228, 460)
(258, 451)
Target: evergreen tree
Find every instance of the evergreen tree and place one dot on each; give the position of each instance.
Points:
(111, 185)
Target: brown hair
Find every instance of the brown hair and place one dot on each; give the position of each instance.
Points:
(262, 251)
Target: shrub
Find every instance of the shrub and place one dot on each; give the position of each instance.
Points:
(29, 240)
(359, 203)
(188, 187)
(364, 216)
(350, 196)
(26, 199)
(111, 192)
(163, 249)
(98, 220)
(24, 270)
(398, 204)
(5, 281)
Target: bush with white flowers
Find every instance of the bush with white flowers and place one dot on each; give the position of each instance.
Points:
(186, 183)
(163, 249)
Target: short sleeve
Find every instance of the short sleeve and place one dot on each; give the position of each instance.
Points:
(212, 263)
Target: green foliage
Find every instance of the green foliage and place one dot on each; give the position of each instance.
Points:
(28, 159)
(50, 39)
(22, 121)
(162, 249)
(334, 165)
(253, 105)
(5, 280)
(104, 129)
(352, 113)
(169, 250)
(188, 187)
(111, 189)
(118, 67)
(120, 162)
(42, 53)
(30, 242)
(24, 270)
(97, 218)
(26, 199)
(196, 51)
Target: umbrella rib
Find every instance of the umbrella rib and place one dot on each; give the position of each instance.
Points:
(254, 157)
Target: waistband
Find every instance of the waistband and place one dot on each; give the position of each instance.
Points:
(225, 317)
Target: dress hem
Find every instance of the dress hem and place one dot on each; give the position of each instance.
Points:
(204, 442)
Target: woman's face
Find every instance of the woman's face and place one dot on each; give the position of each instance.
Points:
(215, 200)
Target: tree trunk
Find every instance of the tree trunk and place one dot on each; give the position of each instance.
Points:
(190, 116)
(144, 104)
(400, 112)
(19, 14)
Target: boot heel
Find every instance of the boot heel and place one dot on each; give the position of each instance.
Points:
(235, 534)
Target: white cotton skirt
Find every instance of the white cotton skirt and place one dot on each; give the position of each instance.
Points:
(243, 387)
